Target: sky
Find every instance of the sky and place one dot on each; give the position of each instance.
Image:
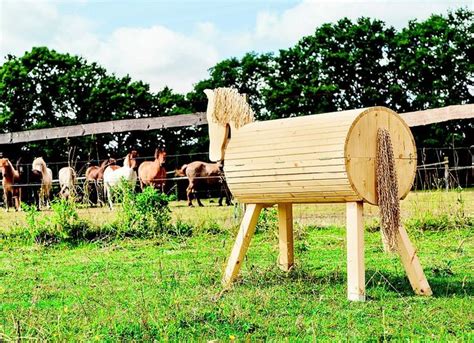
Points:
(174, 43)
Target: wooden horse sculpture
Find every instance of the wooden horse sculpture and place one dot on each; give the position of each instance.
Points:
(153, 173)
(356, 156)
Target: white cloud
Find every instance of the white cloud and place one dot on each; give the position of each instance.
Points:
(286, 28)
(161, 56)
(156, 55)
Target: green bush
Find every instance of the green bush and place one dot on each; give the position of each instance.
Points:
(144, 214)
(62, 225)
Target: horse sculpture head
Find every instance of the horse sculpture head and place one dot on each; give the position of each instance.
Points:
(227, 111)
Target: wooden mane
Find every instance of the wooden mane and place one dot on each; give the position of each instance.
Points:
(228, 106)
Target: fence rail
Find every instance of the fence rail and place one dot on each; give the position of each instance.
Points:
(416, 118)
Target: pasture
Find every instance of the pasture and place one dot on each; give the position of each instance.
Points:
(169, 288)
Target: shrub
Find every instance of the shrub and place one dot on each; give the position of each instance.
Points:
(181, 229)
(145, 214)
(62, 225)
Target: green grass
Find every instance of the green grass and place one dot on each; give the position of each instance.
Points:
(169, 288)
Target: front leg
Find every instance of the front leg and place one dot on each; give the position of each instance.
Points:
(242, 242)
(5, 199)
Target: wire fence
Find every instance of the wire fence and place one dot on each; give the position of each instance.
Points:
(438, 168)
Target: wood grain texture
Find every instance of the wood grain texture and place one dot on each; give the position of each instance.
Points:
(326, 157)
(360, 152)
(417, 118)
(412, 264)
(285, 236)
(355, 251)
(140, 124)
(242, 242)
(439, 115)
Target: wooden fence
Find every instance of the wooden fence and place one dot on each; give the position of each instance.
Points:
(417, 118)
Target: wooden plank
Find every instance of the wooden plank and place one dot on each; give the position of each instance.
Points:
(270, 167)
(412, 264)
(327, 157)
(285, 233)
(140, 124)
(298, 199)
(438, 115)
(330, 183)
(247, 229)
(249, 171)
(286, 143)
(315, 175)
(248, 132)
(256, 153)
(355, 251)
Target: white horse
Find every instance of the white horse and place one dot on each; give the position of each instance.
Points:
(46, 182)
(113, 177)
(67, 182)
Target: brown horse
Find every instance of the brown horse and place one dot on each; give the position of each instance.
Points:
(203, 175)
(94, 177)
(11, 193)
(96, 173)
(153, 173)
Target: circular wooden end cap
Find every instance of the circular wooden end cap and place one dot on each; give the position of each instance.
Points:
(360, 149)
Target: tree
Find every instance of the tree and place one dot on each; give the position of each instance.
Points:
(432, 67)
(44, 88)
(341, 66)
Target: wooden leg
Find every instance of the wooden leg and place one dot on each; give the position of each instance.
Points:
(247, 229)
(355, 251)
(412, 264)
(285, 227)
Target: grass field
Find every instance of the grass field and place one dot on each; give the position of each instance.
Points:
(169, 288)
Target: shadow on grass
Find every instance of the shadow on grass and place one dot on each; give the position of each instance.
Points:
(376, 282)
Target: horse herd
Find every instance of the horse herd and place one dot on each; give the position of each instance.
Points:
(35, 185)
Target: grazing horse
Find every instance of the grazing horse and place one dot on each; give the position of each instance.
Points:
(46, 182)
(204, 175)
(127, 172)
(95, 176)
(153, 173)
(67, 182)
(11, 193)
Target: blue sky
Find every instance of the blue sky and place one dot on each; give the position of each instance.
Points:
(174, 43)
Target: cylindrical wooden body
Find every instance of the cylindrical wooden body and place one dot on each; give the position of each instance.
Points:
(318, 158)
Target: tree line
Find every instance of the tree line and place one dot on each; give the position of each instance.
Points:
(345, 65)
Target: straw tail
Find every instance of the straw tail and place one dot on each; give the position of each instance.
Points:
(387, 190)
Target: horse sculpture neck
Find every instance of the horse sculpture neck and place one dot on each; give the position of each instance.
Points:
(227, 111)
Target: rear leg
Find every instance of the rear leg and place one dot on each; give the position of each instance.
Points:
(189, 192)
(197, 198)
